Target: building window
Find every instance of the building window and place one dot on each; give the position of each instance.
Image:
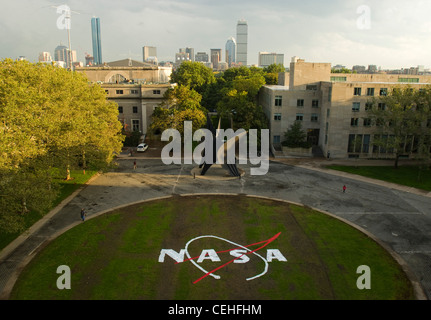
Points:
(384, 91)
(277, 116)
(367, 122)
(408, 80)
(328, 112)
(381, 106)
(119, 91)
(368, 105)
(314, 117)
(354, 122)
(366, 144)
(370, 92)
(315, 103)
(134, 91)
(311, 87)
(277, 140)
(135, 125)
(278, 101)
(120, 109)
(338, 79)
(300, 102)
(107, 91)
(299, 116)
(357, 91)
(135, 109)
(156, 91)
(356, 106)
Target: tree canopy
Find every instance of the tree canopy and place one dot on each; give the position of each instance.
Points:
(402, 116)
(49, 118)
(194, 75)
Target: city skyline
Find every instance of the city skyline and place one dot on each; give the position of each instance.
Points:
(389, 34)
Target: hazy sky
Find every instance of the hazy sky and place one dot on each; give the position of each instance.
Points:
(387, 33)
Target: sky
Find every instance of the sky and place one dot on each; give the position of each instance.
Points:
(391, 34)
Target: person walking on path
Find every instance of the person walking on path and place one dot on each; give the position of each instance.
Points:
(134, 165)
(344, 189)
(83, 214)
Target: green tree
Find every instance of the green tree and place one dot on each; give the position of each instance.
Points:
(194, 75)
(397, 118)
(49, 117)
(180, 104)
(295, 137)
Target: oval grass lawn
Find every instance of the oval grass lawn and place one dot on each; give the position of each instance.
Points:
(116, 255)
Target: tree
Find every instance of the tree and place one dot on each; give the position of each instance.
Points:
(180, 104)
(295, 137)
(49, 117)
(398, 119)
(194, 75)
(271, 73)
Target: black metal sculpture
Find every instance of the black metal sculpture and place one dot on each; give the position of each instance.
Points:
(232, 168)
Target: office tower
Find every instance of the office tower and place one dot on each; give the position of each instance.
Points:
(149, 53)
(97, 40)
(231, 51)
(191, 53)
(45, 57)
(241, 41)
(266, 59)
(61, 53)
(202, 57)
(215, 57)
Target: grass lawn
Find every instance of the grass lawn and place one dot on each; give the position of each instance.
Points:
(411, 176)
(115, 256)
(66, 189)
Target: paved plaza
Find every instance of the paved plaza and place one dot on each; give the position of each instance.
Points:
(398, 216)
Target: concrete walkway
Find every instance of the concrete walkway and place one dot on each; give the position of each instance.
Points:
(399, 217)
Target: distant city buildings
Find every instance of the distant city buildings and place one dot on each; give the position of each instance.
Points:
(96, 40)
(202, 57)
(266, 59)
(216, 58)
(231, 51)
(45, 57)
(150, 54)
(241, 41)
(63, 56)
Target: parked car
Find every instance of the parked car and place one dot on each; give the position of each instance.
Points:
(142, 147)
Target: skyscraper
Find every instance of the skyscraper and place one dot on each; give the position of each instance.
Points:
(149, 53)
(241, 41)
(231, 51)
(97, 40)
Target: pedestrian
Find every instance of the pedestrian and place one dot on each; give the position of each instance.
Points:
(83, 214)
(134, 165)
(344, 189)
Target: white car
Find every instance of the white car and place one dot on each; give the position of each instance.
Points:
(142, 147)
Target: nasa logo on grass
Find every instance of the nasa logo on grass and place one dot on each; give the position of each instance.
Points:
(239, 252)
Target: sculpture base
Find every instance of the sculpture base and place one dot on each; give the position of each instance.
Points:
(216, 172)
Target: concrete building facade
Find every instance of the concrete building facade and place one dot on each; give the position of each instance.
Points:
(330, 106)
(136, 87)
(265, 59)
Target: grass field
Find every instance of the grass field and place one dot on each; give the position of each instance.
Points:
(411, 176)
(115, 256)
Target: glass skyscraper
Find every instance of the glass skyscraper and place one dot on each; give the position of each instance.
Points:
(231, 51)
(97, 41)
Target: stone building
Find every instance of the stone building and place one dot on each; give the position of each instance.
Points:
(136, 87)
(331, 107)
